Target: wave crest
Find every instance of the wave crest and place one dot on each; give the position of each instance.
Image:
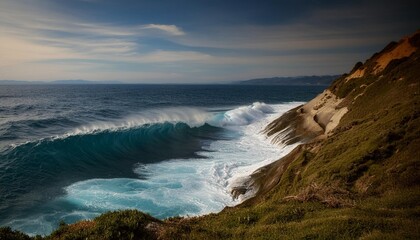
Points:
(193, 117)
(245, 115)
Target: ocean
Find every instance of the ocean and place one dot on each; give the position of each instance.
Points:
(72, 152)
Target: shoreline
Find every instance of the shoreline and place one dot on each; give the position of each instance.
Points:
(300, 126)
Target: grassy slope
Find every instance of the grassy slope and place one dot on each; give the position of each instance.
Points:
(361, 182)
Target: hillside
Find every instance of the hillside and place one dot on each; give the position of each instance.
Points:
(292, 81)
(356, 175)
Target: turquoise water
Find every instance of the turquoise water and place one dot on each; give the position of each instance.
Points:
(71, 152)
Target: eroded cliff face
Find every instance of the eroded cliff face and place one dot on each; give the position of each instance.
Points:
(351, 126)
(323, 113)
(320, 116)
(315, 119)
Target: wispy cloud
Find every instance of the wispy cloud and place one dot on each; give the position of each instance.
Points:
(31, 34)
(170, 29)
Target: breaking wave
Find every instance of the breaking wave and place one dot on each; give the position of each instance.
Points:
(125, 163)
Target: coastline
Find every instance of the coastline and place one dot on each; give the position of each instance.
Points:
(300, 126)
(312, 123)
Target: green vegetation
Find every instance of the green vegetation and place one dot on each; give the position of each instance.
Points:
(129, 224)
(360, 182)
(7, 233)
(279, 219)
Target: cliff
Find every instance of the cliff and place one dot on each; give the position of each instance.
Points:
(355, 175)
(361, 133)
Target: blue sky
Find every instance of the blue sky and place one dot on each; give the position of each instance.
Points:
(192, 41)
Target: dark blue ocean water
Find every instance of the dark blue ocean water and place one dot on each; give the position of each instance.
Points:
(71, 152)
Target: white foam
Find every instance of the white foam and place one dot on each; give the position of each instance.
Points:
(244, 115)
(194, 117)
(192, 186)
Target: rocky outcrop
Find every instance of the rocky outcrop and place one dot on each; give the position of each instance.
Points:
(315, 119)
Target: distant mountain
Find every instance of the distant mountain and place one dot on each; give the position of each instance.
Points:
(84, 82)
(72, 82)
(302, 80)
(61, 82)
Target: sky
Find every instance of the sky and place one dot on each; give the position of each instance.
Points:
(193, 41)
